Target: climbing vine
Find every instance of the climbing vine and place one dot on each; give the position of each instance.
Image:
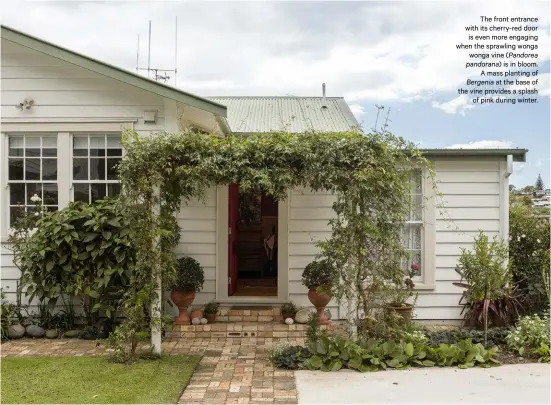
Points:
(369, 174)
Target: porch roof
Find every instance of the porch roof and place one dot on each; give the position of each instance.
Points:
(519, 155)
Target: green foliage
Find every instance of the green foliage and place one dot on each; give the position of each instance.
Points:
(490, 300)
(496, 336)
(530, 337)
(288, 357)
(7, 315)
(319, 274)
(313, 331)
(334, 353)
(369, 172)
(84, 250)
(211, 308)
(528, 253)
(189, 275)
(406, 290)
(289, 308)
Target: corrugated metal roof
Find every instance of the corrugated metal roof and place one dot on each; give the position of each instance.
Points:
(292, 114)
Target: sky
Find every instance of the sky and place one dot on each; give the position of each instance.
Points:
(398, 55)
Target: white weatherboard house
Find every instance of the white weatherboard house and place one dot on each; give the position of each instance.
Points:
(62, 115)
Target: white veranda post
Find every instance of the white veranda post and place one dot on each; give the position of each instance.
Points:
(156, 303)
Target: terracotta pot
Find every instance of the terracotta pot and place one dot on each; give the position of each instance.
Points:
(182, 300)
(319, 301)
(211, 317)
(404, 311)
(285, 316)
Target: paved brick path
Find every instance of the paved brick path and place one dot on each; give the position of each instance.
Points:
(231, 371)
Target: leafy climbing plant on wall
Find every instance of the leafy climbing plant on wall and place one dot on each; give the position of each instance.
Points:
(369, 173)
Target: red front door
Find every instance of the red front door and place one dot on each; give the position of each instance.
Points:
(233, 205)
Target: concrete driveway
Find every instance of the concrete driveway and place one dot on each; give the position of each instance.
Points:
(509, 384)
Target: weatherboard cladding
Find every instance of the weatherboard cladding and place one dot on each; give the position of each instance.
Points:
(292, 114)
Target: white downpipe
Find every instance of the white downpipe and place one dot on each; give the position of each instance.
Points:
(155, 309)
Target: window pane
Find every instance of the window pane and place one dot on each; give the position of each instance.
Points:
(417, 201)
(15, 151)
(32, 152)
(32, 190)
(114, 142)
(17, 194)
(81, 193)
(97, 152)
(98, 191)
(49, 142)
(111, 168)
(15, 212)
(32, 169)
(97, 169)
(114, 152)
(32, 142)
(80, 152)
(17, 142)
(50, 194)
(80, 142)
(49, 152)
(49, 169)
(113, 190)
(80, 169)
(97, 142)
(15, 169)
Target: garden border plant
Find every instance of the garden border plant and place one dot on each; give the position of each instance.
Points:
(370, 174)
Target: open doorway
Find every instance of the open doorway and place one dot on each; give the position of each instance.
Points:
(252, 247)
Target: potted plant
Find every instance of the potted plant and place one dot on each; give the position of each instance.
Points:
(318, 277)
(211, 310)
(402, 293)
(189, 279)
(288, 310)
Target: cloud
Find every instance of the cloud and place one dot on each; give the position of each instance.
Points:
(365, 51)
(357, 109)
(456, 106)
(486, 144)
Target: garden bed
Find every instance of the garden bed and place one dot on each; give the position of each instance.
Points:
(93, 380)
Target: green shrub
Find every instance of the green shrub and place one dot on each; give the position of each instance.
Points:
(189, 275)
(83, 250)
(530, 337)
(496, 336)
(334, 353)
(288, 309)
(211, 308)
(528, 245)
(288, 357)
(318, 274)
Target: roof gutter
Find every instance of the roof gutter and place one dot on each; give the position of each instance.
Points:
(517, 155)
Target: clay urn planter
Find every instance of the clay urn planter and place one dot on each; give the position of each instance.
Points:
(188, 281)
(211, 310)
(319, 301)
(182, 300)
(403, 310)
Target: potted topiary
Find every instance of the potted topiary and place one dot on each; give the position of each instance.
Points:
(188, 281)
(403, 292)
(211, 310)
(319, 277)
(288, 310)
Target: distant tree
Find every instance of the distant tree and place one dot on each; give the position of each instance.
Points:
(512, 187)
(539, 183)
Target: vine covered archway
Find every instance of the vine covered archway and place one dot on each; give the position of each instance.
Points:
(369, 174)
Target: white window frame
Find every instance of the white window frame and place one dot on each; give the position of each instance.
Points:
(88, 157)
(5, 156)
(428, 235)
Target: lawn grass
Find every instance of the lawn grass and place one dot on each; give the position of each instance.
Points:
(93, 380)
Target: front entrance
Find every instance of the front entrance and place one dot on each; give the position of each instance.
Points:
(252, 244)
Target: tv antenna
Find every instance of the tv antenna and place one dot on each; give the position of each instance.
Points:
(155, 73)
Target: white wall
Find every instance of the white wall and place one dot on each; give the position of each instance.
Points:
(472, 193)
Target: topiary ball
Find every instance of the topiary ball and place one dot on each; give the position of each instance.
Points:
(195, 321)
(204, 321)
(289, 321)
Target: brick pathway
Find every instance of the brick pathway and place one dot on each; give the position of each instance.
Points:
(231, 371)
